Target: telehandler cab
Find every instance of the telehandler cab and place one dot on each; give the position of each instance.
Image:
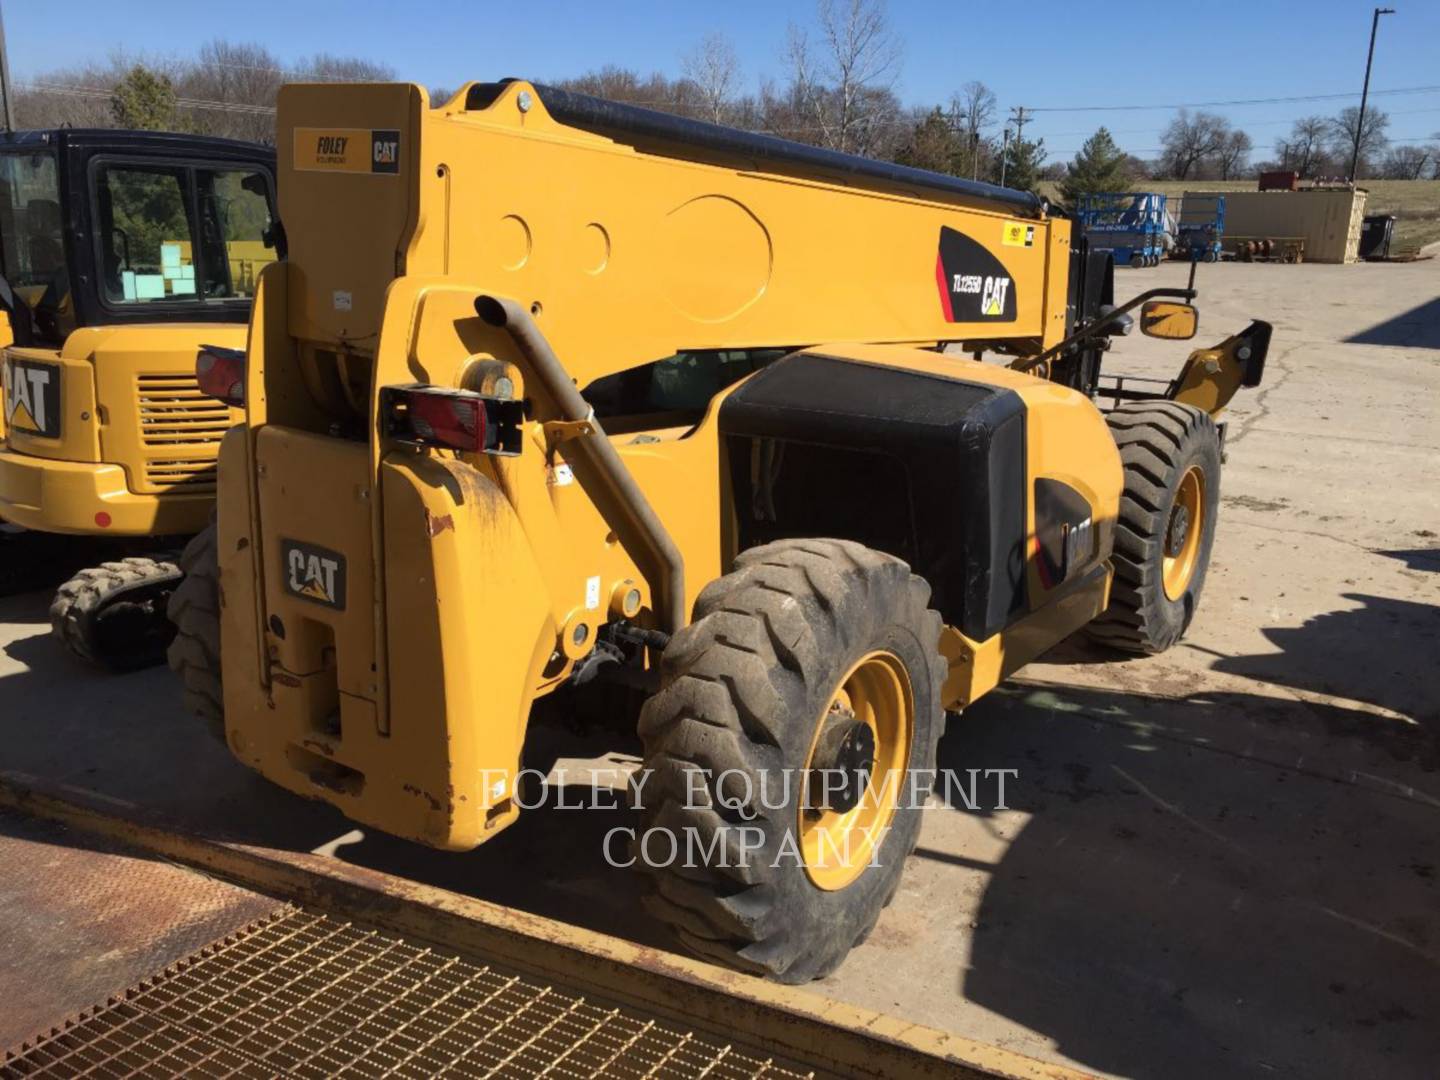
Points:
(123, 252)
(553, 393)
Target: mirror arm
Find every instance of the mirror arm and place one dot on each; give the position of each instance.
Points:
(1102, 323)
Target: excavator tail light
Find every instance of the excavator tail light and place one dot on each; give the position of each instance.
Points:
(421, 415)
(221, 374)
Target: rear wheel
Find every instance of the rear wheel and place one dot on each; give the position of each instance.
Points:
(113, 615)
(1166, 527)
(194, 610)
(791, 750)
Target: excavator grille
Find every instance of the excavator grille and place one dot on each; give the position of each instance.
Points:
(180, 432)
(303, 994)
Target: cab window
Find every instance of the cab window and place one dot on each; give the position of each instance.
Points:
(32, 237)
(179, 234)
(235, 214)
(146, 235)
(673, 391)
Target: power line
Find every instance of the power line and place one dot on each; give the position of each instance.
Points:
(187, 103)
(1238, 101)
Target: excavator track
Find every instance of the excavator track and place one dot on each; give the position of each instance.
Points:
(113, 615)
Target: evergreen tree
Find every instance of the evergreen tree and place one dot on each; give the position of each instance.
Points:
(1019, 166)
(933, 145)
(144, 100)
(1099, 166)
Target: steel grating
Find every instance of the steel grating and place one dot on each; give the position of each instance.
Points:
(303, 994)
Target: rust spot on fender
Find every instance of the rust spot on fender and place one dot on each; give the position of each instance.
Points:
(435, 524)
(411, 789)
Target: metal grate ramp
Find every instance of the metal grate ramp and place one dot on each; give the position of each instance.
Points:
(304, 994)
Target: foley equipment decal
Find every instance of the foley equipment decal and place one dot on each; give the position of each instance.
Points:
(974, 284)
(351, 150)
(32, 397)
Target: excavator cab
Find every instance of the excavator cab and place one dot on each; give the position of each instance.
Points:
(120, 253)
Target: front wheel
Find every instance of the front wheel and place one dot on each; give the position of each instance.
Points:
(1166, 528)
(790, 753)
(194, 653)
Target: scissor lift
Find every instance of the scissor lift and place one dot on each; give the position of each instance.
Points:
(1129, 224)
(1201, 228)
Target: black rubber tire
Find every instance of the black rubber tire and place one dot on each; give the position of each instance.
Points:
(743, 688)
(79, 599)
(195, 651)
(1159, 443)
(1137, 258)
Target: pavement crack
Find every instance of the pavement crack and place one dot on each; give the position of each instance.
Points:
(1262, 396)
(1290, 530)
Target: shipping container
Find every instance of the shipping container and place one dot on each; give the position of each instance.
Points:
(1327, 219)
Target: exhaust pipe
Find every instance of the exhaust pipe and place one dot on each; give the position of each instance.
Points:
(598, 468)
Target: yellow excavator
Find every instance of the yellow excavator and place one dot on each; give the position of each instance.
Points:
(554, 394)
(122, 253)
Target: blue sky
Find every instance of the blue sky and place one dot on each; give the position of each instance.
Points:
(1039, 54)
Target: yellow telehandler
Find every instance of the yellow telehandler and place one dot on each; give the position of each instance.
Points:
(123, 252)
(553, 393)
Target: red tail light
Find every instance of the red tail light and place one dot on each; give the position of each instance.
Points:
(458, 419)
(221, 374)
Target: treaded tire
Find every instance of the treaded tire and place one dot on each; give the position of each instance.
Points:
(1159, 443)
(744, 687)
(78, 600)
(194, 654)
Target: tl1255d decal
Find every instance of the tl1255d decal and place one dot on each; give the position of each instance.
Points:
(974, 285)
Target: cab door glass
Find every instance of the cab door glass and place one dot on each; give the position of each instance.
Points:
(235, 230)
(32, 240)
(146, 235)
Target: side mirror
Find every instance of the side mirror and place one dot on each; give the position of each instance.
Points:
(1168, 319)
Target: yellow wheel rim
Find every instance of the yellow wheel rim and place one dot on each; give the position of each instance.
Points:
(1183, 531)
(837, 844)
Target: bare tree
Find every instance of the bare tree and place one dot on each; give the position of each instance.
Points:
(228, 89)
(1345, 135)
(845, 83)
(715, 70)
(1191, 139)
(243, 77)
(1303, 150)
(680, 96)
(1233, 154)
(1407, 162)
(322, 67)
(972, 110)
(81, 96)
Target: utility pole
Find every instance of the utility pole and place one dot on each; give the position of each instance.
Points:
(8, 115)
(1364, 93)
(1020, 120)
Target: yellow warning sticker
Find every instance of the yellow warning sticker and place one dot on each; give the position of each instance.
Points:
(1018, 234)
(351, 150)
